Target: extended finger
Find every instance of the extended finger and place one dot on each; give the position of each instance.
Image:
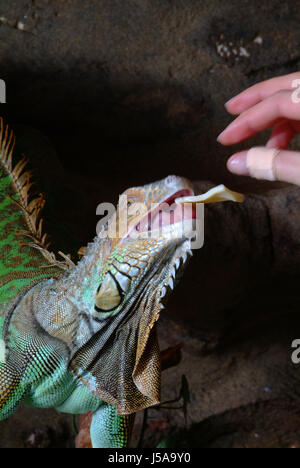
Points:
(260, 117)
(285, 165)
(260, 91)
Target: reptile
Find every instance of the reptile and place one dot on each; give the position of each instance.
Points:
(82, 337)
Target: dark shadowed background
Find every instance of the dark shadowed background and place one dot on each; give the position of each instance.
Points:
(108, 94)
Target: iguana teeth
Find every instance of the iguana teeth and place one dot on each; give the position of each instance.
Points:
(177, 263)
(189, 252)
(163, 292)
(171, 283)
(173, 272)
(184, 257)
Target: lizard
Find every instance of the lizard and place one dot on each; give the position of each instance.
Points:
(82, 337)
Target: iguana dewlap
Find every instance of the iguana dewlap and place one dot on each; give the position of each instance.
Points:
(83, 337)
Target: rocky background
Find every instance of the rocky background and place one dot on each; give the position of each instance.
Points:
(108, 94)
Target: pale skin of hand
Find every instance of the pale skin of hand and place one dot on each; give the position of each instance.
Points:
(269, 104)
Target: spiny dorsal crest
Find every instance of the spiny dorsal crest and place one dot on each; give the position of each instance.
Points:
(31, 209)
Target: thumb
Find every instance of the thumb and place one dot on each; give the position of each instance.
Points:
(267, 163)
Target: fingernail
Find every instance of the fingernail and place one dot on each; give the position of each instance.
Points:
(219, 137)
(237, 164)
(227, 103)
(229, 133)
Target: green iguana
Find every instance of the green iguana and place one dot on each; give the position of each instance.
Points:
(83, 338)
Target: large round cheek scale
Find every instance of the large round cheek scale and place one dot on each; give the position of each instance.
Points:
(260, 162)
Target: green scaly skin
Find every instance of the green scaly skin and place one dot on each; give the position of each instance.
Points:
(82, 338)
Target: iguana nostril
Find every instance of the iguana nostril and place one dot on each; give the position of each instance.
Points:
(171, 180)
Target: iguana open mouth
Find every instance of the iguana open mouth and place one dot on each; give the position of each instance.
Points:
(167, 213)
(181, 206)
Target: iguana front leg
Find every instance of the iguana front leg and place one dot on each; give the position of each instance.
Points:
(109, 429)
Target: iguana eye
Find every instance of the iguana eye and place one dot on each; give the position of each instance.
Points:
(109, 295)
(111, 291)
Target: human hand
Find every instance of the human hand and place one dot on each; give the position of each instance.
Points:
(275, 104)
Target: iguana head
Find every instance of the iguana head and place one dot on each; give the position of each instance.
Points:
(149, 243)
(125, 280)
